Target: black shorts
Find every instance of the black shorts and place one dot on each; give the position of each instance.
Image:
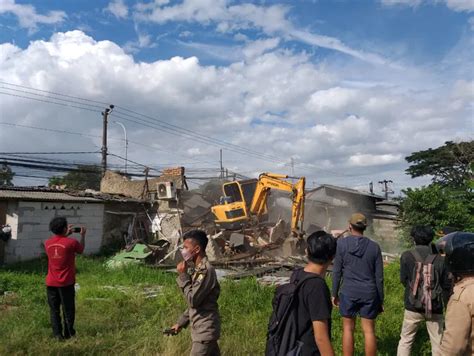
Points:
(367, 308)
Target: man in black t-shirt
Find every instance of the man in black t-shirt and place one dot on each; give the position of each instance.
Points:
(314, 297)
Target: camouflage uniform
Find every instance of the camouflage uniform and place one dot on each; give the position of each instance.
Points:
(458, 337)
(201, 290)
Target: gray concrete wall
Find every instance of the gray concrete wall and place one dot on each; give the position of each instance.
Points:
(386, 234)
(30, 226)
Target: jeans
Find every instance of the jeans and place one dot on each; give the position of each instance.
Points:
(62, 297)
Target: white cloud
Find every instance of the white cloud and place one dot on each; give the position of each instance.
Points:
(365, 160)
(259, 47)
(455, 5)
(279, 103)
(118, 8)
(336, 98)
(460, 5)
(471, 22)
(272, 20)
(28, 17)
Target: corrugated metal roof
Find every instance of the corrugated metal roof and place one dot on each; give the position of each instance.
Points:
(42, 196)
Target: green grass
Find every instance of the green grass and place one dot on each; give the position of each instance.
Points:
(109, 321)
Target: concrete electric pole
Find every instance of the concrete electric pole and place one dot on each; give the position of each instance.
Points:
(385, 187)
(105, 116)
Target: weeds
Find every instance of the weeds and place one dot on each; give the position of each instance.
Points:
(124, 321)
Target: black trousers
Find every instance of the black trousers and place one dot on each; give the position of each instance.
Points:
(62, 297)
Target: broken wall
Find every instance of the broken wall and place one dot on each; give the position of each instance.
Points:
(122, 221)
(115, 183)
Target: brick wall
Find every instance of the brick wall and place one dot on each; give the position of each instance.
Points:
(114, 183)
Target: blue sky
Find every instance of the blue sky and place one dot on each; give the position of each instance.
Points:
(339, 86)
(422, 33)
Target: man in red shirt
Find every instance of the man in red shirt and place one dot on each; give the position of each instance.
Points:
(61, 252)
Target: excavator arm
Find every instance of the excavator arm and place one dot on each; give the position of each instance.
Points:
(268, 181)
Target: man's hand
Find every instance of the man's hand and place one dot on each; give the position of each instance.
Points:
(69, 229)
(335, 301)
(176, 328)
(181, 267)
(83, 231)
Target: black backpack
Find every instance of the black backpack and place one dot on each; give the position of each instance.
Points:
(425, 287)
(283, 335)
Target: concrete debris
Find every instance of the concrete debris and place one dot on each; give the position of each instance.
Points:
(267, 250)
(146, 291)
(273, 280)
(278, 232)
(214, 250)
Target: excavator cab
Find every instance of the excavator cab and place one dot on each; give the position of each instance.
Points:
(233, 209)
(245, 201)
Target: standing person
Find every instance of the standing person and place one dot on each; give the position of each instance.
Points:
(300, 323)
(198, 281)
(61, 277)
(424, 297)
(458, 337)
(359, 266)
(314, 297)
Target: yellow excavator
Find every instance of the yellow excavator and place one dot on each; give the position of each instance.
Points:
(245, 200)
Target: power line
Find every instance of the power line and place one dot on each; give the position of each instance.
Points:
(49, 102)
(130, 115)
(55, 93)
(162, 124)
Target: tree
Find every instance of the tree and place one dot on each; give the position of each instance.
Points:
(437, 206)
(6, 175)
(85, 177)
(449, 165)
(449, 200)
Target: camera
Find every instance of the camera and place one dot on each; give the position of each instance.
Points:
(170, 332)
(76, 229)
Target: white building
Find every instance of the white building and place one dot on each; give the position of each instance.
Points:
(29, 212)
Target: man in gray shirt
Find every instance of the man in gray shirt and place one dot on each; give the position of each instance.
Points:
(198, 281)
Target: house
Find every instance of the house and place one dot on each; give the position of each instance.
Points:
(28, 210)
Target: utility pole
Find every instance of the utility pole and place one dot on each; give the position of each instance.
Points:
(126, 143)
(222, 167)
(105, 116)
(292, 167)
(386, 189)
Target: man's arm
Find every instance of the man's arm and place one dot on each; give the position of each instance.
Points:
(196, 291)
(457, 329)
(337, 270)
(321, 336)
(379, 274)
(403, 270)
(82, 243)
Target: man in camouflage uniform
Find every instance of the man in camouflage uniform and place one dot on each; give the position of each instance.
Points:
(201, 290)
(458, 337)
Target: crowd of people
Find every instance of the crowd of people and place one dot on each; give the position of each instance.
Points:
(438, 282)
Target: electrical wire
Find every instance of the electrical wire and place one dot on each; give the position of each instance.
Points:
(133, 116)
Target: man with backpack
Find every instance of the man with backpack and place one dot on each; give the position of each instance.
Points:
(301, 320)
(427, 286)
